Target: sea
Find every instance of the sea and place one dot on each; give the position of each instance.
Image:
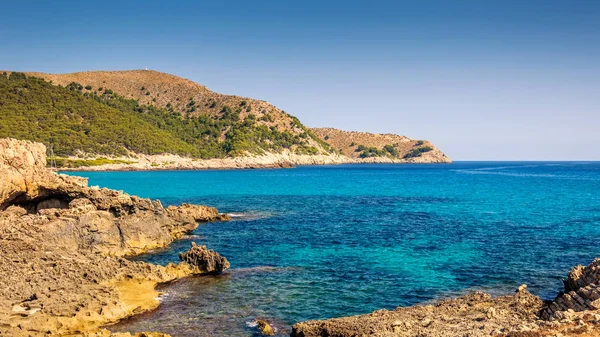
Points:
(317, 242)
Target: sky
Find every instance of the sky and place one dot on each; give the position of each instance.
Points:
(481, 79)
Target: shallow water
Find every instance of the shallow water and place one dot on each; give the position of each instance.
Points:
(320, 242)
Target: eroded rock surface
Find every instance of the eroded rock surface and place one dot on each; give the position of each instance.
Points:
(476, 314)
(582, 293)
(62, 245)
(204, 260)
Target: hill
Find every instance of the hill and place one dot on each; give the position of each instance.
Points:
(145, 119)
(77, 119)
(190, 99)
(365, 145)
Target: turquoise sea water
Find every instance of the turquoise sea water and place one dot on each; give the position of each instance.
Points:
(328, 241)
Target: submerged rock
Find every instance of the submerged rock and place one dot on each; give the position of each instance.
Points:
(203, 260)
(265, 328)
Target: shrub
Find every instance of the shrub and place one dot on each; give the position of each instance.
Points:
(17, 76)
(417, 152)
(391, 150)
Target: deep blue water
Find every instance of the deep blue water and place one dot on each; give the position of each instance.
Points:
(345, 240)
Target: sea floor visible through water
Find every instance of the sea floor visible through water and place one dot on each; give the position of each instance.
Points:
(329, 241)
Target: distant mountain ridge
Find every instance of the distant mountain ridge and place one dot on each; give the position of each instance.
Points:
(179, 117)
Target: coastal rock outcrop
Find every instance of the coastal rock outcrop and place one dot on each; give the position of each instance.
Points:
(476, 314)
(203, 260)
(62, 245)
(25, 178)
(582, 293)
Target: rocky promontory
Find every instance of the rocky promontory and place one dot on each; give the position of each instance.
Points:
(62, 248)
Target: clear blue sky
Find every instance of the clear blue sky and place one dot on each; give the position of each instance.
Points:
(482, 79)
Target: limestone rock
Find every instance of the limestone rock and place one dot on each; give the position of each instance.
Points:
(25, 176)
(61, 248)
(582, 293)
(203, 260)
(464, 316)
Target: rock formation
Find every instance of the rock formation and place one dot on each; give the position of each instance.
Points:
(582, 293)
(265, 328)
(476, 314)
(203, 260)
(62, 245)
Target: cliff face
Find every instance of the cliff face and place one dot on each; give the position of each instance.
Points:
(61, 248)
(25, 177)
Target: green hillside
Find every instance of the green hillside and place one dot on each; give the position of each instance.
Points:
(74, 119)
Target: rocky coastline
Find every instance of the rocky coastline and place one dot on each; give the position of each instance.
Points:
(141, 162)
(62, 249)
(64, 272)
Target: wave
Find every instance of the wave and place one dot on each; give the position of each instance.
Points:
(261, 269)
(528, 175)
(161, 297)
(495, 168)
(510, 174)
(193, 237)
(250, 215)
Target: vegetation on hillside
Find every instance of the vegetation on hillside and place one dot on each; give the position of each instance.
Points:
(417, 151)
(75, 120)
(387, 150)
(74, 163)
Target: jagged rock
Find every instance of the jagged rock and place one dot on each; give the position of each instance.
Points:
(582, 292)
(25, 177)
(195, 213)
(203, 260)
(187, 217)
(81, 205)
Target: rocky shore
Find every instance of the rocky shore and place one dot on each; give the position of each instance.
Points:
(141, 162)
(62, 248)
(574, 312)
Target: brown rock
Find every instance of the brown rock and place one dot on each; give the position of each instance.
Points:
(464, 316)
(265, 328)
(204, 261)
(61, 244)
